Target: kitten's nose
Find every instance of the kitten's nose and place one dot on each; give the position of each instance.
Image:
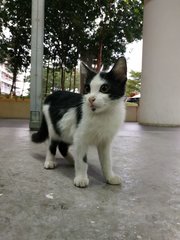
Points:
(91, 99)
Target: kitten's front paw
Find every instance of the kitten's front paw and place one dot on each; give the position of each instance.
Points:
(81, 182)
(114, 180)
(50, 164)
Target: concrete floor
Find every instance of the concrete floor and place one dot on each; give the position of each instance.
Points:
(39, 204)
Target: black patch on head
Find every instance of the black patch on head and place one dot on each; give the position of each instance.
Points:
(87, 88)
(115, 79)
(88, 74)
(116, 86)
(105, 88)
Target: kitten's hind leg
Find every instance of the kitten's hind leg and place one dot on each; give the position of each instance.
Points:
(50, 161)
(63, 148)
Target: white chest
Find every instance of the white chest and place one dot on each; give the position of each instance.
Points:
(101, 127)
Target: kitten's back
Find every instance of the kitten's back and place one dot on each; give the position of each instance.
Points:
(64, 99)
(59, 103)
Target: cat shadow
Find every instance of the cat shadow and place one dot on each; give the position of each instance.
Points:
(38, 157)
(95, 173)
(61, 162)
(67, 169)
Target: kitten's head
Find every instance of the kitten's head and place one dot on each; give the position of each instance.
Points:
(103, 88)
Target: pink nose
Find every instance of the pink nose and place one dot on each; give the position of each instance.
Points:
(91, 99)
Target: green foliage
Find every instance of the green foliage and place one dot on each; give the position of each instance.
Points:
(91, 30)
(53, 81)
(121, 24)
(15, 16)
(133, 85)
(135, 75)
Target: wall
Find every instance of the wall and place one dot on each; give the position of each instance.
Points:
(12, 108)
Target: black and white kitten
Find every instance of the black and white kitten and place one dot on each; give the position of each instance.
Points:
(83, 120)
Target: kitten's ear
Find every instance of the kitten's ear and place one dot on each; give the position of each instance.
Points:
(86, 71)
(120, 68)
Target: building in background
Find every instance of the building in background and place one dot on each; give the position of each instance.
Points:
(22, 87)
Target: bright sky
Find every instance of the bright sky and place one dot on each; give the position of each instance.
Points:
(134, 56)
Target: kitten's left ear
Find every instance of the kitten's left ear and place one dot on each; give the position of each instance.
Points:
(120, 68)
(86, 71)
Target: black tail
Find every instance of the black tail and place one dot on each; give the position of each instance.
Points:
(42, 133)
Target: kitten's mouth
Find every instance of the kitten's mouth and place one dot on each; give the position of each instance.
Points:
(93, 108)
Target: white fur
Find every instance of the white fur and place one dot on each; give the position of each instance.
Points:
(101, 100)
(67, 126)
(52, 134)
(50, 161)
(101, 124)
(95, 128)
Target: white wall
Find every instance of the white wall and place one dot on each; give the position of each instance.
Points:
(160, 93)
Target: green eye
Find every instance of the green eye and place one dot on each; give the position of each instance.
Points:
(86, 89)
(104, 88)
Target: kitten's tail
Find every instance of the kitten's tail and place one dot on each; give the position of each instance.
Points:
(42, 133)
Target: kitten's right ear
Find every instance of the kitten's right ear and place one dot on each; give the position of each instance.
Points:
(120, 67)
(86, 71)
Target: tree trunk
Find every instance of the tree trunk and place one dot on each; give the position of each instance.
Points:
(70, 80)
(13, 86)
(99, 59)
(74, 80)
(63, 80)
(53, 78)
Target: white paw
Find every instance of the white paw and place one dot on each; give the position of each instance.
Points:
(81, 181)
(50, 164)
(114, 180)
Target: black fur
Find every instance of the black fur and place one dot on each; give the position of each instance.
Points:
(42, 134)
(53, 147)
(60, 102)
(115, 79)
(85, 159)
(63, 148)
(117, 87)
(71, 119)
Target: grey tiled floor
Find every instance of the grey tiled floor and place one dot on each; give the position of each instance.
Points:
(39, 204)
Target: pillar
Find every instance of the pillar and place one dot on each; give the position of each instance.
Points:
(160, 91)
(37, 36)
